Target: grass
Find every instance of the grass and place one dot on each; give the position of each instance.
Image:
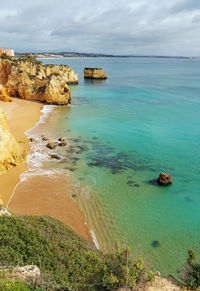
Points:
(67, 261)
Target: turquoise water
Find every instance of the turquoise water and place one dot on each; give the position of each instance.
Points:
(143, 120)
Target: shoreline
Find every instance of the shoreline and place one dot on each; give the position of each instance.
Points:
(22, 116)
(30, 113)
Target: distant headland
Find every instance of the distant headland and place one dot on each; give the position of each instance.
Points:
(69, 54)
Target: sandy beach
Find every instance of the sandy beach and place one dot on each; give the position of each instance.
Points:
(21, 116)
(40, 195)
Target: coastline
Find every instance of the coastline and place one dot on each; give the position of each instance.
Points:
(22, 116)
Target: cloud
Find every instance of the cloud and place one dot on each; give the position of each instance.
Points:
(168, 27)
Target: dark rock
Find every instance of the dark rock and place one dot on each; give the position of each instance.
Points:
(130, 182)
(188, 199)
(155, 244)
(164, 179)
(44, 138)
(75, 158)
(31, 139)
(55, 156)
(70, 150)
(95, 163)
(62, 143)
(51, 145)
(61, 139)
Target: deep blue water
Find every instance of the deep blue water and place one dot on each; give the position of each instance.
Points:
(143, 120)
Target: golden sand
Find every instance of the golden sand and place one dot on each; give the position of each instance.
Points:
(41, 194)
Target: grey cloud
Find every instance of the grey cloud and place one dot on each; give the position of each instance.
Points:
(115, 26)
(185, 5)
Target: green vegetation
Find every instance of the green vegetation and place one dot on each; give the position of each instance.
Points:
(5, 56)
(6, 284)
(192, 273)
(67, 262)
(31, 59)
(31, 76)
(41, 89)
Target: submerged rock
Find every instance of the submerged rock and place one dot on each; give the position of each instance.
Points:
(51, 145)
(62, 143)
(32, 139)
(55, 156)
(95, 163)
(61, 139)
(44, 138)
(164, 179)
(155, 244)
(94, 73)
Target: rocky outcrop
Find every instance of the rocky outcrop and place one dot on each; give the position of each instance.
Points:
(11, 152)
(4, 211)
(164, 179)
(29, 79)
(3, 95)
(94, 73)
(161, 284)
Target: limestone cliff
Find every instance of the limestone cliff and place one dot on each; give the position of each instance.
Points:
(3, 95)
(29, 79)
(94, 73)
(11, 152)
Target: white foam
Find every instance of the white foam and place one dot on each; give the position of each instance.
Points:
(94, 239)
(46, 110)
(40, 172)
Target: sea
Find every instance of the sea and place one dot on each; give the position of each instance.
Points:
(121, 133)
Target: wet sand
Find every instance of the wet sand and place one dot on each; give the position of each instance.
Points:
(38, 194)
(51, 195)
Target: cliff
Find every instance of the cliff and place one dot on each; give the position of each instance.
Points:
(11, 152)
(94, 73)
(29, 79)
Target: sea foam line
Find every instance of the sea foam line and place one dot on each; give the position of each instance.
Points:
(45, 110)
(94, 238)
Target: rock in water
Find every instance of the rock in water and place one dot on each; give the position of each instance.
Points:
(52, 145)
(165, 179)
(62, 143)
(55, 156)
(94, 73)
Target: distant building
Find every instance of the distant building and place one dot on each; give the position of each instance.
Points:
(9, 53)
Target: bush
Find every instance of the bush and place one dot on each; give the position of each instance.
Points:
(65, 259)
(192, 272)
(7, 284)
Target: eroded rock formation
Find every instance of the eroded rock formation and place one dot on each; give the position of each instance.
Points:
(94, 73)
(165, 179)
(11, 153)
(3, 95)
(29, 79)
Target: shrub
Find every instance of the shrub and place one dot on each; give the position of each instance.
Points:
(65, 260)
(192, 272)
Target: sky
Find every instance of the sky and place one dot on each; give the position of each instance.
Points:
(136, 27)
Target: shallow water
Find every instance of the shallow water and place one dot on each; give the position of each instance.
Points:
(143, 120)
